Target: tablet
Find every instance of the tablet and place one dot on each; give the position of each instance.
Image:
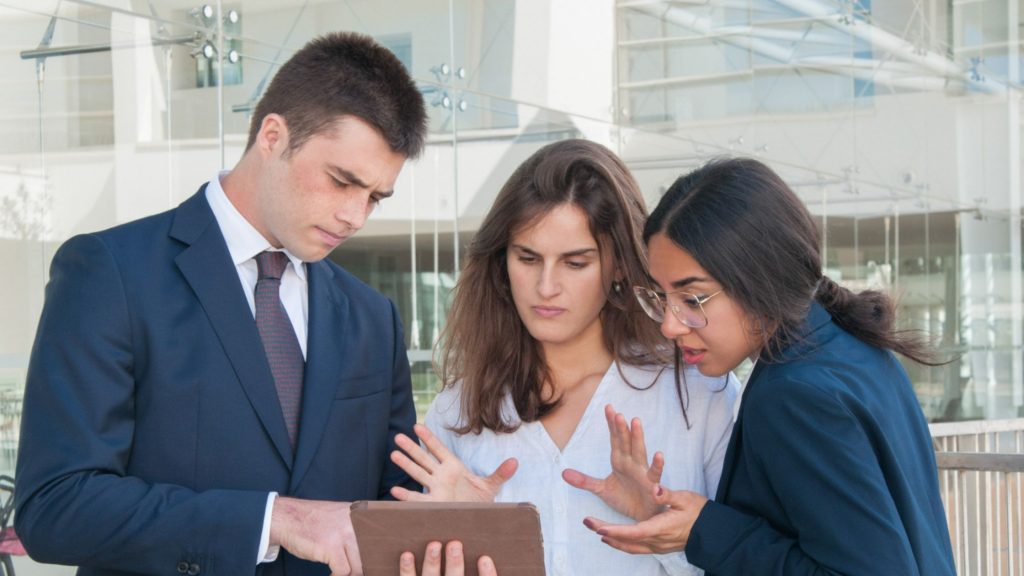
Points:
(508, 533)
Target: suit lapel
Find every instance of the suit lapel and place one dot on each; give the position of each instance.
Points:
(325, 366)
(207, 267)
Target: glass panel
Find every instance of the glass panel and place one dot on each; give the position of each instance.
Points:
(557, 55)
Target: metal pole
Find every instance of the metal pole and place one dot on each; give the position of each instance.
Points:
(38, 53)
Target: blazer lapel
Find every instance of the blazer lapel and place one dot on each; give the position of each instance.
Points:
(325, 366)
(732, 452)
(809, 336)
(207, 267)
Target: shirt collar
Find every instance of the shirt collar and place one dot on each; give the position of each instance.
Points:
(243, 240)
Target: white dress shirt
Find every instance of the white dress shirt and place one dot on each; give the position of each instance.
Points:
(693, 461)
(244, 243)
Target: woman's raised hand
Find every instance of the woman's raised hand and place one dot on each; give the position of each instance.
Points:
(444, 476)
(629, 488)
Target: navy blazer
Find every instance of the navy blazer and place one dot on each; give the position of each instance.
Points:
(830, 469)
(152, 432)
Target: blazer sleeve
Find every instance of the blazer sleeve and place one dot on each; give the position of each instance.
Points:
(76, 503)
(718, 433)
(403, 412)
(817, 461)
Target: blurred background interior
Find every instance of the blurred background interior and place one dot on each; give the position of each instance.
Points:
(897, 121)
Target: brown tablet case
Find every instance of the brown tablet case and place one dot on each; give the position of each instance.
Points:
(508, 533)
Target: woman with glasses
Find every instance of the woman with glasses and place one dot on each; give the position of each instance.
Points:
(830, 469)
(543, 335)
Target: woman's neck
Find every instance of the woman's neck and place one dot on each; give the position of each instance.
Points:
(571, 363)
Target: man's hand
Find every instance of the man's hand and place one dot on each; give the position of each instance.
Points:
(454, 565)
(316, 530)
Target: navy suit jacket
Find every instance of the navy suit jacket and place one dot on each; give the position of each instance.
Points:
(830, 469)
(152, 432)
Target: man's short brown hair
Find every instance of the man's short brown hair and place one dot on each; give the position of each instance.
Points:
(341, 74)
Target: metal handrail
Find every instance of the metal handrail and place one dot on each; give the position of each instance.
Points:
(943, 429)
(981, 480)
(980, 461)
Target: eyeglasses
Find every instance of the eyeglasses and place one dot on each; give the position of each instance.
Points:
(686, 307)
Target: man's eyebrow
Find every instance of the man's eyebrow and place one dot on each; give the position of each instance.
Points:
(352, 178)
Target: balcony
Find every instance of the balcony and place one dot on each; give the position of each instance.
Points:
(981, 476)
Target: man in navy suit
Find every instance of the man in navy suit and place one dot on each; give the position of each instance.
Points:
(160, 433)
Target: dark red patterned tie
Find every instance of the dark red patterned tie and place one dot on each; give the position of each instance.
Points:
(279, 340)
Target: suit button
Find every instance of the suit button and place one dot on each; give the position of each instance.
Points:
(193, 569)
(182, 567)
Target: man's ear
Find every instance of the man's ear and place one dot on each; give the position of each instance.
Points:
(273, 134)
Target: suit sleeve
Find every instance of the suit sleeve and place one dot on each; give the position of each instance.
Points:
(76, 503)
(818, 461)
(403, 413)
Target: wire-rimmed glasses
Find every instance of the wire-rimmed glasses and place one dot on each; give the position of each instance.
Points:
(687, 307)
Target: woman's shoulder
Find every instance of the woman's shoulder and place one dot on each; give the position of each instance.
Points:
(447, 408)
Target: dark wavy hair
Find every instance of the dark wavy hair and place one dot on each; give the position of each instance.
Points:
(754, 236)
(503, 358)
(345, 74)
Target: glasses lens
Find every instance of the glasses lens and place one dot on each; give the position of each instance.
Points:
(650, 303)
(687, 309)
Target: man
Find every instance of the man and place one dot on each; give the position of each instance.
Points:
(205, 394)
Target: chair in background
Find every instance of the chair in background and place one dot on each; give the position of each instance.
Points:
(10, 545)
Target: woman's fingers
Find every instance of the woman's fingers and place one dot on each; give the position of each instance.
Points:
(414, 470)
(678, 499)
(638, 448)
(614, 435)
(502, 473)
(624, 533)
(416, 452)
(437, 448)
(578, 479)
(628, 547)
(657, 468)
(406, 495)
(627, 438)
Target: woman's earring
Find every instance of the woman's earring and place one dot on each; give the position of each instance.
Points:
(617, 287)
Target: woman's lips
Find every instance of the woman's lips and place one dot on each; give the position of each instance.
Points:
(547, 311)
(692, 355)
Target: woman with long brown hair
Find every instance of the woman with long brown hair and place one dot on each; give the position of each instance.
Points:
(830, 469)
(543, 336)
